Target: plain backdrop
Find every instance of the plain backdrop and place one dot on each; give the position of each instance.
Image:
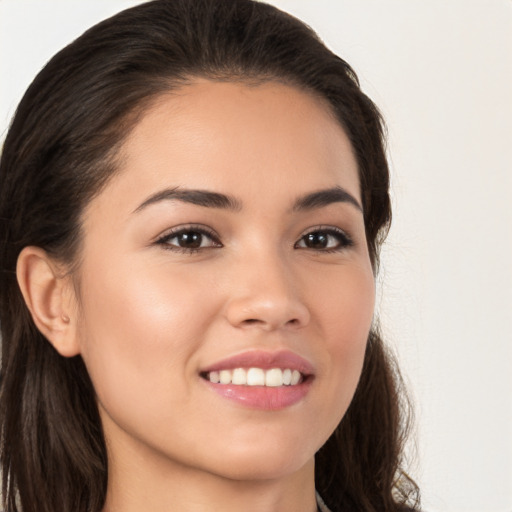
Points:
(441, 72)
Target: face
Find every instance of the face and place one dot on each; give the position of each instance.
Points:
(226, 291)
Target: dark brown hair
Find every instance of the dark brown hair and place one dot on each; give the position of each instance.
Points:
(61, 150)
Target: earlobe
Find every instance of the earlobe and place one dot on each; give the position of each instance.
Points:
(48, 296)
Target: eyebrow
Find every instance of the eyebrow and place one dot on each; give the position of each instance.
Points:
(208, 199)
(198, 197)
(325, 197)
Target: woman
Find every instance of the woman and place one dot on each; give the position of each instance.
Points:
(193, 196)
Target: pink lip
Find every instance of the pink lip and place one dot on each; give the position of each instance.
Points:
(262, 397)
(265, 360)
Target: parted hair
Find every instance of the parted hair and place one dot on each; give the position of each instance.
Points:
(60, 151)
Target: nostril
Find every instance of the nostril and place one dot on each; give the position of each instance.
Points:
(259, 310)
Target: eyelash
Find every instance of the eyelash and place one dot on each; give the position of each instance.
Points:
(203, 231)
(344, 241)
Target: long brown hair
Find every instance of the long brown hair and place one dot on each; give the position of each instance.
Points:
(61, 150)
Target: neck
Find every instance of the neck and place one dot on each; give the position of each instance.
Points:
(145, 481)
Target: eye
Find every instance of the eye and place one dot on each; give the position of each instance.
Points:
(189, 239)
(325, 239)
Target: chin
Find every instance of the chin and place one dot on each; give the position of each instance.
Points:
(260, 463)
(255, 471)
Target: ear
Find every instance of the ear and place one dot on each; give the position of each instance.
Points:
(50, 298)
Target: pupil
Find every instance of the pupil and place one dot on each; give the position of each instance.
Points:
(190, 240)
(316, 240)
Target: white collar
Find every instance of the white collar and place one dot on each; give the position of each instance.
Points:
(322, 507)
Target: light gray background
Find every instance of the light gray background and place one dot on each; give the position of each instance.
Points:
(441, 72)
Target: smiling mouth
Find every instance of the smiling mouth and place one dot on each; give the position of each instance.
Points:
(273, 377)
(262, 380)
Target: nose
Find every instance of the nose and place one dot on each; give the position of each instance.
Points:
(266, 295)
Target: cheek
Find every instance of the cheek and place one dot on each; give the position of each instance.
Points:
(140, 328)
(354, 319)
(344, 301)
(347, 313)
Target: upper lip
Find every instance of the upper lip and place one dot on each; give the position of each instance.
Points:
(263, 359)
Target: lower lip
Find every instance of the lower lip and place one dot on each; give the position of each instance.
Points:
(263, 397)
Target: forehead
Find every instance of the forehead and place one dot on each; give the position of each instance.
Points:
(270, 138)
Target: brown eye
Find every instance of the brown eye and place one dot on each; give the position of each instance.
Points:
(317, 240)
(324, 239)
(189, 239)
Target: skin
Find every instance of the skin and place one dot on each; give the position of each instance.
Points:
(150, 315)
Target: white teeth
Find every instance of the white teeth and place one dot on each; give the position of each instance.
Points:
(225, 377)
(275, 377)
(239, 377)
(255, 377)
